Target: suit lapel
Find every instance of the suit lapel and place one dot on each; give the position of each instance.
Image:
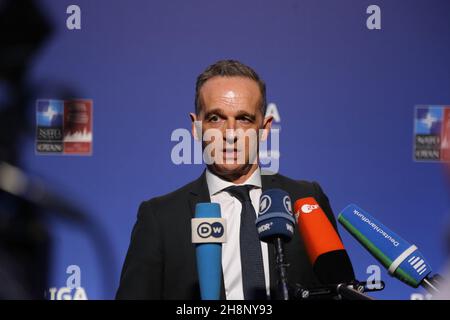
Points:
(199, 193)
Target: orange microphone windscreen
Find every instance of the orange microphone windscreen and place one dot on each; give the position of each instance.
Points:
(317, 232)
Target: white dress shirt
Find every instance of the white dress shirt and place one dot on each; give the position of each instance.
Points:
(230, 208)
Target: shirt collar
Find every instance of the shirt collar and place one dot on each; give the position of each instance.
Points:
(217, 184)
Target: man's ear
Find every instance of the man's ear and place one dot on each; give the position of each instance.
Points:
(196, 130)
(267, 125)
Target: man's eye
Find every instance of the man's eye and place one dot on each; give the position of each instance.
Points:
(246, 120)
(213, 119)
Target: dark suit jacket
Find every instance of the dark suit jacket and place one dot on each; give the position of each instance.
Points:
(161, 260)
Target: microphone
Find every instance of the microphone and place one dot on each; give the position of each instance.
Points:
(327, 254)
(208, 234)
(402, 259)
(275, 224)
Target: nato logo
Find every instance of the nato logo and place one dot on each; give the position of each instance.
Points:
(50, 113)
(64, 127)
(429, 120)
(432, 133)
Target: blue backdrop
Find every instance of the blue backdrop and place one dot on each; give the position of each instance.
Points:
(345, 94)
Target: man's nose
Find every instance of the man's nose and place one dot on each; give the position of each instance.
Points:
(230, 131)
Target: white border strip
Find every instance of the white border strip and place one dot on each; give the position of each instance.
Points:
(394, 265)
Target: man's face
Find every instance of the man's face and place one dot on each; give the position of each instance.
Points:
(231, 106)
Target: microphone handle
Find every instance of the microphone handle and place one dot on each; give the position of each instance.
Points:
(333, 291)
(281, 267)
(350, 293)
(432, 284)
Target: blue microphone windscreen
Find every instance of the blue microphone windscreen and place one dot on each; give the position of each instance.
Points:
(402, 259)
(207, 210)
(275, 218)
(209, 255)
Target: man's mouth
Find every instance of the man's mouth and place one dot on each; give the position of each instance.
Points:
(232, 152)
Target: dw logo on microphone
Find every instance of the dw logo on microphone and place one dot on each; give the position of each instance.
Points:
(208, 230)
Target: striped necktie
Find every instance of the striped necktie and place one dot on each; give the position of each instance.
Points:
(253, 280)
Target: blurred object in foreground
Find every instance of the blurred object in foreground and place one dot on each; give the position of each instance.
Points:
(24, 239)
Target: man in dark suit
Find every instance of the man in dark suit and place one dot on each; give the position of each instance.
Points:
(161, 261)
